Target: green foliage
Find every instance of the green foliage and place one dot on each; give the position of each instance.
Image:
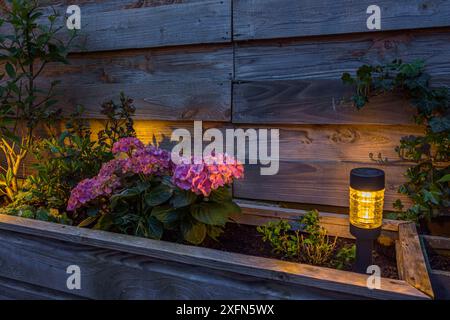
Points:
(345, 257)
(25, 52)
(74, 155)
(283, 240)
(119, 121)
(24, 206)
(427, 185)
(148, 206)
(314, 247)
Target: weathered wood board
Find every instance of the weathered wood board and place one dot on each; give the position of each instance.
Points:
(299, 81)
(353, 143)
(413, 267)
(193, 22)
(167, 84)
(96, 6)
(317, 182)
(16, 290)
(262, 19)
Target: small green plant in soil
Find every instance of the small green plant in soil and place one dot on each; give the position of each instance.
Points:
(309, 244)
(428, 179)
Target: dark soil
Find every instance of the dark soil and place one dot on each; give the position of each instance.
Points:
(246, 240)
(438, 260)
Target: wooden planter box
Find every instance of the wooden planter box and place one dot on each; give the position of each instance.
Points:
(34, 257)
(439, 279)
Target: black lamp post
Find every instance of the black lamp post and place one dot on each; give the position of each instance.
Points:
(366, 212)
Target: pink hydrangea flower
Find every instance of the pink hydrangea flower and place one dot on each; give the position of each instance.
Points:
(147, 160)
(90, 189)
(214, 172)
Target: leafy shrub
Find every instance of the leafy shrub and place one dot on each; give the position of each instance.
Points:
(314, 247)
(25, 52)
(25, 206)
(74, 155)
(141, 192)
(428, 180)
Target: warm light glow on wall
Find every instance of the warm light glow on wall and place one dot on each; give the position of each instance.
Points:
(157, 132)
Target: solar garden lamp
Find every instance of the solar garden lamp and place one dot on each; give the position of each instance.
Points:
(366, 212)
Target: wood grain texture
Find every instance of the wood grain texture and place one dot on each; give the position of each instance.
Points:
(200, 100)
(298, 81)
(171, 84)
(313, 102)
(338, 142)
(414, 269)
(320, 182)
(262, 19)
(168, 269)
(352, 143)
(158, 26)
(16, 290)
(399, 259)
(96, 6)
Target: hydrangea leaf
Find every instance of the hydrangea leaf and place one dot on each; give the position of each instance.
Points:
(194, 233)
(158, 195)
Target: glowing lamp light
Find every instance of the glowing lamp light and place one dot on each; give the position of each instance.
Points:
(366, 212)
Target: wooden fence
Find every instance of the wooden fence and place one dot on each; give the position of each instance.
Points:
(265, 64)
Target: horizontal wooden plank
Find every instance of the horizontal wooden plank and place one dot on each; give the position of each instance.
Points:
(312, 182)
(96, 6)
(16, 290)
(298, 81)
(313, 102)
(171, 84)
(199, 100)
(296, 143)
(169, 260)
(200, 62)
(265, 19)
(177, 24)
(339, 142)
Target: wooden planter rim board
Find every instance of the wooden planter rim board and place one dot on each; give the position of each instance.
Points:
(414, 283)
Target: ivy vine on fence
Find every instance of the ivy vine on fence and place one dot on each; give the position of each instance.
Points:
(428, 178)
